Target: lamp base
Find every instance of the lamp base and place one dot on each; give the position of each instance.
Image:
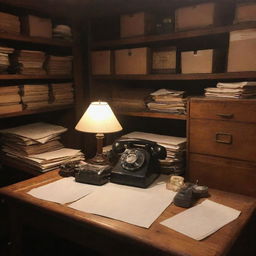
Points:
(99, 159)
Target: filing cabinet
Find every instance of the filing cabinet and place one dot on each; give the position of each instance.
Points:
(222, 139)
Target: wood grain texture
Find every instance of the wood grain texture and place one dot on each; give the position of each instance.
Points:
(115, 237)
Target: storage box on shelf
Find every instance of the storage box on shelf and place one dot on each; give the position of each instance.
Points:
(245, 12)
(222, 154)
(102, 62)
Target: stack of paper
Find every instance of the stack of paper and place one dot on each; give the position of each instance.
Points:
(35, 96)
(62, 93)
(28, 62)
(10, 99)
(9, 23)
(170, 101)
(175, 147)
(62, 32)
(232, 90)
(59, 65)
(37, 145)
(4, 58)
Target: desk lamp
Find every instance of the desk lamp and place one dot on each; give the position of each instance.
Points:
(98, 118)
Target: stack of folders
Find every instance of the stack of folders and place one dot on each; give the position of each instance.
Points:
(4, 58)
(233, 90)
(10, 99)
(175, 147)
(35, 96)
(62, 93)
(9, 23)
(58, 65)
(169, 101)
(28, 62)
(62, 32)
(37, 145)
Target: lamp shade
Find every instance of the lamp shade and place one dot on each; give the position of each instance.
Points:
(98, 118)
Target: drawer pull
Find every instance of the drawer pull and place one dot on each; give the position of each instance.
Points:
(225, 138)
(225, 115)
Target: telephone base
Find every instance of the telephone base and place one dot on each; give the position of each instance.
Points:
(132, 180)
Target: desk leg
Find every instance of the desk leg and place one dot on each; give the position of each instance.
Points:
(15, 231)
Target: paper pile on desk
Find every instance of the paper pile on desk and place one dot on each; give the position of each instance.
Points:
(232, 90)
(35, 96)
(170, 101)
(202, 220)
(175, 147)
(37, 145)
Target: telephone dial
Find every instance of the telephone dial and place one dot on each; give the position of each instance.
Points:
(138, 164)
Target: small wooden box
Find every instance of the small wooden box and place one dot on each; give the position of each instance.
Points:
(136, 24)
(200, 61)
(37, 26)
(132, 61)
(164, 60)
(245, 12)
(241, 53)
(197, 16)
(102, 62)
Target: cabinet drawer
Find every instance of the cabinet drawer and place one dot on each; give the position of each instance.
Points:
(223, 138)
(236, 110)
(220, 173)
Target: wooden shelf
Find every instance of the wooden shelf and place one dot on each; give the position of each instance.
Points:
(142, 40)
(31, 112)
(152, 114)
(208, 76)
(33, 77)
(35, 40)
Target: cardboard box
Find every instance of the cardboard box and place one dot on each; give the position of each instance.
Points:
(102, 63)
(241, 53)
(245, 12)
(196, 16)
(136, 24)
(37, 26)
(164, 60)
(200, 61)
(132, 61)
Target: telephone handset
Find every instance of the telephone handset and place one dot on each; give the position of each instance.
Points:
(138, 164)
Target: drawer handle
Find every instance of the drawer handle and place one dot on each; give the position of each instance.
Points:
(225, 115)
(225, 138)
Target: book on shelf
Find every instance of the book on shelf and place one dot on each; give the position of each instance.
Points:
(12, 108)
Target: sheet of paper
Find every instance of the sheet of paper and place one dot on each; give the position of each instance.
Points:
(62, 191)
(136, 206)
(202, 220)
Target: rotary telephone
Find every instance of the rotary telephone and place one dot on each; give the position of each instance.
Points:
(138, 163)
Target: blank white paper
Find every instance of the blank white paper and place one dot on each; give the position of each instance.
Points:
(62, 191)
(202, 220)
(133, 205)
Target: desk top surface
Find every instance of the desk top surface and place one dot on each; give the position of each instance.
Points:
(159, 237)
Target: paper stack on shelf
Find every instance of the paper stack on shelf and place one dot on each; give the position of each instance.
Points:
(59, 65)
(175, 147)
(35, 96)
(169, 101)
(62, 32)
(37, 145)
(28, 62)
(232, 90)
(9, 23)
(62, 93)
(4, 58)
(10, 99)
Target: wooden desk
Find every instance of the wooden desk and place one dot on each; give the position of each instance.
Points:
(113, 237)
